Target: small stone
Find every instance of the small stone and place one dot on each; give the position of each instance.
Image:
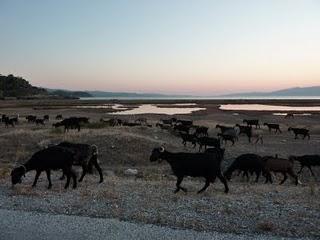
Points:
(131, 172)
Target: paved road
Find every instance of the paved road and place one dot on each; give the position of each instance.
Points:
(32, 226)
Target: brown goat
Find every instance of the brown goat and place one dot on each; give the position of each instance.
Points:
(275, 164)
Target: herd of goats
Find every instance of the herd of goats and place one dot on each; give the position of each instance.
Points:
(205, 163)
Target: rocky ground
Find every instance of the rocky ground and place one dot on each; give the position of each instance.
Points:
(249, 208)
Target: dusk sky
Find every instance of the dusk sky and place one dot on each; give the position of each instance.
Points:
(186, 47)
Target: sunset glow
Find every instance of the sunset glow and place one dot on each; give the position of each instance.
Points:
(184, 47)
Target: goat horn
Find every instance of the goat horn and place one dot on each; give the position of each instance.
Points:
(161, 149)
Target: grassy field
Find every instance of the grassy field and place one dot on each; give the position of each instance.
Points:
(286, 210)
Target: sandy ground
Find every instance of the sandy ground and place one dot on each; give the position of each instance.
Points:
(249, 208)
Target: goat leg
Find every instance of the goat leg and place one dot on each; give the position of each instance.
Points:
(63, 176)
(224, 181)
(300, 171)
(36, 178)
(74, 178)
(284, 178)
(206, 185)
(48, 172)
(311, 171)
(96, 165)
(179, 181)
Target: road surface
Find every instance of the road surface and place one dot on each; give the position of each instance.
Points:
(16, 225)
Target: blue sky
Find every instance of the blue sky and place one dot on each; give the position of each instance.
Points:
(188, 47)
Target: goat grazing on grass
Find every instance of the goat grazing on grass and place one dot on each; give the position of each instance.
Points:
(52, 158)
(252, 122)
(272, 126)
(205, 165)
(300, 131)
(275, 164)
(68, 123)
(307, 161)
(85, 155)
(248, 163)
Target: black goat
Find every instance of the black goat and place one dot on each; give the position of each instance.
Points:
(68, 123)
(31, 118)
(208, 142)
(131, 124)
(163, 126)
(227, 137)
(59, 117)
(15, 120)
(39, 121)
(248, 163)
(252, 122)
(82, 119)
(205, 165)
(8, 122)
(244, 129)
(46, 117)
(85, 155)
(3, 117)
(274, 126)
(223, 128)
(182, 128)
(300, 131)
(307, 161)
(52, 158)
(170, 121)
(188, 138)
(201, 131)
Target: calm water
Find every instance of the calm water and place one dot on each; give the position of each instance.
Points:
(184, 108)
(205, 98)
(263, 107)
(154, 109)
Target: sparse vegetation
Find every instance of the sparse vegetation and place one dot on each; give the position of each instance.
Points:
(148, 197)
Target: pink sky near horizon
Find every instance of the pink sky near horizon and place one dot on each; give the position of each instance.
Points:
(181, 47)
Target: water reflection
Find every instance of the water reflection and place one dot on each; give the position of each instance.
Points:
(149, 108)
(263, 107)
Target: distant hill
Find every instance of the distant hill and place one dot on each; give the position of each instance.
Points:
(289, 92)
(68, 94)
(12, 86)
(17, 87)
(103, 94)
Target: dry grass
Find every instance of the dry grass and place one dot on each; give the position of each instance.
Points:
(266, 226)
